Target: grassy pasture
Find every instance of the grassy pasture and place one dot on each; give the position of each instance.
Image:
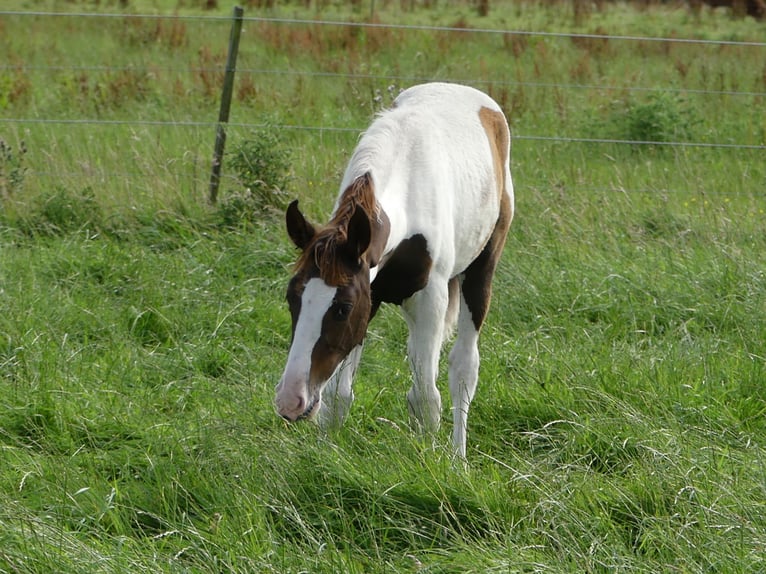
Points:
(621, 416)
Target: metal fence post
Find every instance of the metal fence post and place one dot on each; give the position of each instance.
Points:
(226, 93)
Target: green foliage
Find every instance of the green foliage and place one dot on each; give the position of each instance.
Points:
(12, 168)
(662, 118)
(150, 327)
(61, 211)
(263, 168)
(617, 424)
(658, 118)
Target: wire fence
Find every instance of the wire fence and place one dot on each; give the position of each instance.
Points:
(741, 97)
(324, 128)
(382, 26)
(383, 77)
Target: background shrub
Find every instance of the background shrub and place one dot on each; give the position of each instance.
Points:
(262, 166)
(63, 211)
(662, 118)
(12, 170)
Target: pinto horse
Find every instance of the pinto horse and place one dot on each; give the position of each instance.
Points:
(421, 219)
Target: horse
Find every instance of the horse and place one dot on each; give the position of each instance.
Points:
(420, 221)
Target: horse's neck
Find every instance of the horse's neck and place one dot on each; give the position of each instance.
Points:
(380, 159)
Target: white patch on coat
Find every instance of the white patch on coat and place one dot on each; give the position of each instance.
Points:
(292, 391)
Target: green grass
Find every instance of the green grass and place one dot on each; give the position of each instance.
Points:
(621, 415)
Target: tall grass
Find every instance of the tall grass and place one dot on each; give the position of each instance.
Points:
(619, 422)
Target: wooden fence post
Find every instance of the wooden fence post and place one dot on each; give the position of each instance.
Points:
(226, 93)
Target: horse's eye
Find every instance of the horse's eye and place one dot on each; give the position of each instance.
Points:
(341, 310)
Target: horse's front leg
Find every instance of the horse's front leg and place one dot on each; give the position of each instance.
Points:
(338, 394)
(425, 312)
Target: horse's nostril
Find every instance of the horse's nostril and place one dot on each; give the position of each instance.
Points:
(308, 411)
(302, 409)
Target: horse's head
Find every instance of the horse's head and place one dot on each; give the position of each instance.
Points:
(330, 301)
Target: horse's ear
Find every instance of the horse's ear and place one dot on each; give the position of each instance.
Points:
(358, 234)
(298, 227)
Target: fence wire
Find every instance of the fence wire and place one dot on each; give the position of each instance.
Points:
(205, 19)
(402, 27)
(255, 126)
(379, 77)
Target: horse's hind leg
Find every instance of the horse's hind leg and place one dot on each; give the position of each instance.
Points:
(475, 295)
(463, 374)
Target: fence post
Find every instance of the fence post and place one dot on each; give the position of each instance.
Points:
(226, 93)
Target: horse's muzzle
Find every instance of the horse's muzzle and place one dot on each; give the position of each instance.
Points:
(296, 406)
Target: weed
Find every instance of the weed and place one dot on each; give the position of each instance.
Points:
(62, 211)
(246, 88)
(12, 169)
(210, 72)
(150, 327)
(662, 117)
(15, 87)
(262, 165)
(596, 44)
(516, 43)
(123, 86)
(168, 33)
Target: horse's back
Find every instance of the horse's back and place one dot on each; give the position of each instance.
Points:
(454, 132)
(461, 156)
(452, 97)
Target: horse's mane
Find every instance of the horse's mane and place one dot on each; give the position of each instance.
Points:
(324, 249)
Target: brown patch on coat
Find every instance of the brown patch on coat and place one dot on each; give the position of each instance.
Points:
(499, 138)
(405, 272)
(477, 278)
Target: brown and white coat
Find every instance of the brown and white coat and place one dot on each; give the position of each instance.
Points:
(421, 219)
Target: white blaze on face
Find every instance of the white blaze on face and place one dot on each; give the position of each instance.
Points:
(293, 390)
